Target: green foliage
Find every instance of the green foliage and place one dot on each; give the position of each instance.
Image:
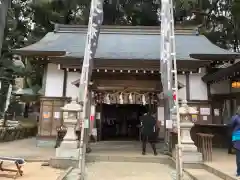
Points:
(116, 12)
(222, 22)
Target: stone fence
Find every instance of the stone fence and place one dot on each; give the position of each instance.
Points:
(15, 133)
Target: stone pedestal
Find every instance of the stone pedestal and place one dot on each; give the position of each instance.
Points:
(189, 150)
(68, 151)
(69, 145)
(65, 153)
(70, 139)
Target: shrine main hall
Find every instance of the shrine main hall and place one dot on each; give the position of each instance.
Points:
(126, 76)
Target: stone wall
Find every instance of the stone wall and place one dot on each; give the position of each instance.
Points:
(15, 133)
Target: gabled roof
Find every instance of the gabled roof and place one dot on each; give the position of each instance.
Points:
(125, 43)
(222, 74)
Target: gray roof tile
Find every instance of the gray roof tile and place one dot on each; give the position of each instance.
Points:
(125, 45)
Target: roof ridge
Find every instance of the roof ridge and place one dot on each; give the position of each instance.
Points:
(119, 29)
(130, 33)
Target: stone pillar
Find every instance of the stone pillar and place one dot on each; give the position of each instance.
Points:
(69, 145)
(189, 150)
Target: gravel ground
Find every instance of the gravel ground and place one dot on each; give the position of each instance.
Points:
(32, 171)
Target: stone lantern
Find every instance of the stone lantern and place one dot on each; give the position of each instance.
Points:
(69, 145)
(189, 150)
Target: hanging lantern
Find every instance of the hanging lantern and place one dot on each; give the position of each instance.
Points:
(130, 98)
(121, 98)
(144, 100)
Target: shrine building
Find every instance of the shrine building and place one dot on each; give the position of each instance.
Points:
(126, 76)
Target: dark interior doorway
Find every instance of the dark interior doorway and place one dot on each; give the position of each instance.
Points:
(121, 122)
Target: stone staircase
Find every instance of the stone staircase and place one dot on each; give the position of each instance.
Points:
(162, 159)
(131, 152)
(201, 174)
(124, 152)
(219, 173)
(119, 151)
(204, 171)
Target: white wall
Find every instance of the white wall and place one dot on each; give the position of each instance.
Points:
(54, 84)
(54, 81)
(182, 91)
(220, 87)
(72, 90)
(198, 89)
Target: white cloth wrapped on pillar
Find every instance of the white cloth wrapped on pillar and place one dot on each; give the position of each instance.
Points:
(107, 99)
(144, 100)
(130, 98)
(121, 98)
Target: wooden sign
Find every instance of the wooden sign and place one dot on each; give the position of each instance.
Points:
(46, 115)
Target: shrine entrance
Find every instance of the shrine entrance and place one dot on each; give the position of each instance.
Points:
(118, 112)
(121, 121)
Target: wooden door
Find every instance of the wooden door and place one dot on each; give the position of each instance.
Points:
(217, 108)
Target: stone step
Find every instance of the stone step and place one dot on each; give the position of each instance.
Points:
(66, 163)
(201, 174)
(162, 159)
(219, 172)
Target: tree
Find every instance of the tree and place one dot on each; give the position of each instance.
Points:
(222, 23)
(116, 12)
(18, 26)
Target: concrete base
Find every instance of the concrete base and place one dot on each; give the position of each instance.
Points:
(191, 157)
(63, 163)
(67, 153)
(46, 143)
(69, 144)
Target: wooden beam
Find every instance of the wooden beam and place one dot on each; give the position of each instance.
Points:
(132, 64)
(187, 86)
(65, 76)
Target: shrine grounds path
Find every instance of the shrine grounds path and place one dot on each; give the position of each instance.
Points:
(126, 171)
(95, 171)
(34, 156)
(26, 149)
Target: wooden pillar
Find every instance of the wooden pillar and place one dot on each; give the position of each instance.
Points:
(209, 91)
(187, 75)
(65, 83)
(99, 121)
(232, 99)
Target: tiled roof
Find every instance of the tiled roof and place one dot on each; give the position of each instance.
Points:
(128, 44)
